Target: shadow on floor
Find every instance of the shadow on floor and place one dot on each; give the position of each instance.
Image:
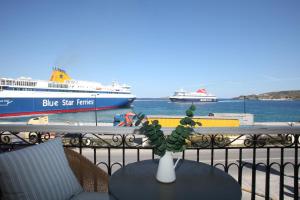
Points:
(291, 191)
(263, 169)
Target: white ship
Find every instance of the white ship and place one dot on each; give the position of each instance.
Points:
(200, 95)
(24, 96)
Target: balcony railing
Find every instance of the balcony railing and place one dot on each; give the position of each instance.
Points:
(264, 160)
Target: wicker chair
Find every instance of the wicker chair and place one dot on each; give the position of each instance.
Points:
(91, 177)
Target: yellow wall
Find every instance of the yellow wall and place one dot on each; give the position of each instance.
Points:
(206, 122)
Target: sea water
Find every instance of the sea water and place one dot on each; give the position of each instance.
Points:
(263, 111)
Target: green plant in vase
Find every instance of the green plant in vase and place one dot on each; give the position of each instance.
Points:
(163, 145)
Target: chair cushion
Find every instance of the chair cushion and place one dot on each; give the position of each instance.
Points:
(92, 196)
(37, 172)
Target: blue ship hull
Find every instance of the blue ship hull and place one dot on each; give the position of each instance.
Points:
(33, 106)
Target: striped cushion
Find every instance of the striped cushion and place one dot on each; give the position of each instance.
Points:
(39, 172)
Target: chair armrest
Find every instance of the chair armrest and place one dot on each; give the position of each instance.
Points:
(91, 177)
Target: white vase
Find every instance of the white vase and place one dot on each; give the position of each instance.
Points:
(166, 169)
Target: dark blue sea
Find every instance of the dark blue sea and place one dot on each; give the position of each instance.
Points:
(263, 111)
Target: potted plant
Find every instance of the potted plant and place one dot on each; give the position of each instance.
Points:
(164, 145)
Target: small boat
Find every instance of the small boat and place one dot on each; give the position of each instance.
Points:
(200, 95)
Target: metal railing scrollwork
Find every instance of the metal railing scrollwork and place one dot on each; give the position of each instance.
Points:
(248, 152)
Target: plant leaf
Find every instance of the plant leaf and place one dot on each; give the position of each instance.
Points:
(189, 113)
(193, 107)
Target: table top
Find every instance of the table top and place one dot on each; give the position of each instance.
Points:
(194, 180)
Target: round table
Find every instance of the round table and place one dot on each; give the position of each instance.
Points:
(194, 180)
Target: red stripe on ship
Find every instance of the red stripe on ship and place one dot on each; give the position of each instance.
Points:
(56, 111)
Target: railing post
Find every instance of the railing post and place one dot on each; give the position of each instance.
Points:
(123, 149)
(212, 150)
(152, 154)
(80, 164)
(138, 154)
(109, 161)
(240, 166)
(226, 160)
(95, 179)
(80, 143)
(95, 156)
(296, 172)
(267, 186)
(281, 180)
(39, 137)
(253, 191)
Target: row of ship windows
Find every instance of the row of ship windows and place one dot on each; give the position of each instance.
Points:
(57, 85)
(53, 90)
(18, 83)
(31, 84)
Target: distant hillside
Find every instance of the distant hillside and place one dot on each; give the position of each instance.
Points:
(290, 94)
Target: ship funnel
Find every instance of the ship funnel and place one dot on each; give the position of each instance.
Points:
(59, 75)
(203, 91)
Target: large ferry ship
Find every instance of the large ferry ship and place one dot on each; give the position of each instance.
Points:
(200, 95)
(24, 96)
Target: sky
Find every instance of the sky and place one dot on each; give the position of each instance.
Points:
(231, 48)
